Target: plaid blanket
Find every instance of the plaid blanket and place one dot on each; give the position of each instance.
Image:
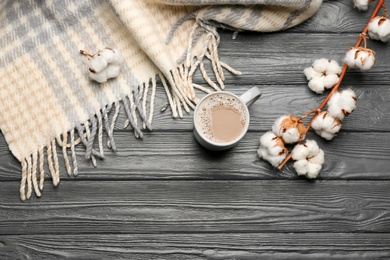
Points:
(48, 104)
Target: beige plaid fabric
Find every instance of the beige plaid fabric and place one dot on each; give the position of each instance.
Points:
(49, 105)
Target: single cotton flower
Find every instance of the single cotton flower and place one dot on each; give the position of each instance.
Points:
(379, 28)
(326, 125)
(342, 103)
(104, 65)
(289, 128)
(362, 5)
(309, 159)
(362, 58)
(323, 74)
(272, 149)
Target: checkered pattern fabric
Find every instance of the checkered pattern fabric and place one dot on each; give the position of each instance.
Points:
(47, 101)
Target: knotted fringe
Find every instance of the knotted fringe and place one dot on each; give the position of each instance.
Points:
(181, 95)
(91, 131)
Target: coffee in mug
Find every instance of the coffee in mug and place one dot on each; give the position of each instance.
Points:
(221, 118)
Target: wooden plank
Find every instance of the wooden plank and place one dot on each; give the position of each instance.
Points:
(279, 76)
(279, 58)
(177, 155)
(370, 115)
(198, 246)
(86, 207)
(338, 17)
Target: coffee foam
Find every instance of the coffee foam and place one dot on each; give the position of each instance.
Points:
(203, 116)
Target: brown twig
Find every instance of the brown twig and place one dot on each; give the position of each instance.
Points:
(381, 4)
(86, 53)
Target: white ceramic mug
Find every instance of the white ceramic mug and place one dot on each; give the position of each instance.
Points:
(245, 100)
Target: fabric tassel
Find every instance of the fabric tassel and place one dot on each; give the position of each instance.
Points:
(29, 178)
(130, 112)
(84, 139)
(56, 179)
(89, 150)
(137, 98)
(34, 174)
(41, 168)
(169, 96)
(110, 143)
(152, 98)
(63, 143)
(72, 149)
(100, 133)
(23, 182)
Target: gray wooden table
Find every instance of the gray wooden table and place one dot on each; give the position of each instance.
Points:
(165, 197)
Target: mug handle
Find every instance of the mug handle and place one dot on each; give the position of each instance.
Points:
(250, 96)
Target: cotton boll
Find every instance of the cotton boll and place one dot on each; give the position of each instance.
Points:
(99, 77)
(334, 106)
(308, 159)
(291, 136)
(326, 125)
(379, 28)
(334, 67)
(290, 128)
(373, 28)
(301, 167)
(311, 73)
(323, 74)
(384, 31)
(330, 80)
(112, 56)
(274, 160)
(313, 170)
(369, 63)
(365, 60)
(361, 5)
(276, 129)
(272, 149)
(105, 64)
(342, 104)
(320, 65)
(313, 148)
(317, 85)
(362, 58)
(97, 64)
(112, 71)
(318, 158)
(350, 57)
(300, 152)
(108, 54)
(267, 139)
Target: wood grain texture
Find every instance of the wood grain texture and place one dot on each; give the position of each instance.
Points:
(371, 113)
(336, 16)
(176, 155)
(228, 246)
(85, 207)
(165, 197)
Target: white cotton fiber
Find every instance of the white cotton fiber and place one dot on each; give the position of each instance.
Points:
(342, 104)
(358, 57)
(379, 28)
(106, 64)
(361, 5)
(309, 159)
(326, 125)
(289, 128)
(272, 149)
(323, 74)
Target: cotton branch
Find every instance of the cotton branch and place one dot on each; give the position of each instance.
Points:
(380, 5)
